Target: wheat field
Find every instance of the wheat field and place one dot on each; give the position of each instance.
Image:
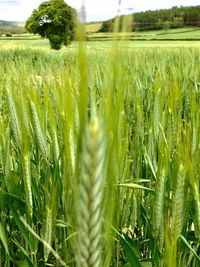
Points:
(99, 157)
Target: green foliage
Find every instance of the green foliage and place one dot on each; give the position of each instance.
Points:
(55, 41)
(8, 34)
(55, 20)
(176, 17)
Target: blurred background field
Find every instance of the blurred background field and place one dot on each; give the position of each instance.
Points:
(103, 41)
(184, 37)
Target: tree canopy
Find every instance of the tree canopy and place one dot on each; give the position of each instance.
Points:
(176, 17)
(53, 19)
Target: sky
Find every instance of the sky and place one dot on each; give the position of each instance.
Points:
(96, 10)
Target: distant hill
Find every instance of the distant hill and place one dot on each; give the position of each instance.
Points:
(4, 23)
(11, 27)
(175, 17)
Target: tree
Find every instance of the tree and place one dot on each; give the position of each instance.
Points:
(107, 26)
(8, 34)
(53, 19)
(166, 25)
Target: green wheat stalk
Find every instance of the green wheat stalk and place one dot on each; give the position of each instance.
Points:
(27, 183)
(48, 233)
(91, 189)
(197, 209)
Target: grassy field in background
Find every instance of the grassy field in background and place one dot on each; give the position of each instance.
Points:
(97, 45)
(93, 27)
(24, 43)
(171, 34)
(184, 37)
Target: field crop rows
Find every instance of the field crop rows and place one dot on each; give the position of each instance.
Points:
(99, 158)
(187, 34)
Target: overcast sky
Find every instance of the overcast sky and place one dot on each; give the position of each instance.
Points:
(20, 10)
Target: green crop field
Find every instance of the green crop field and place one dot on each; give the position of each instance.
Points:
(97, 45)
(93, 27)
(184, 37)
(180, 34)
(99, 153)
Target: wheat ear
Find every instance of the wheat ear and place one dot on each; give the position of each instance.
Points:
(197, 210)
(15, 125)
(42, 144)
(178, 204)
(159, 203)
(27, 183)
(91, 189)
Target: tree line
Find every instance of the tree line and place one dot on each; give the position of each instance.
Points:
(175, 17)
(8, 31)
(11, 27)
